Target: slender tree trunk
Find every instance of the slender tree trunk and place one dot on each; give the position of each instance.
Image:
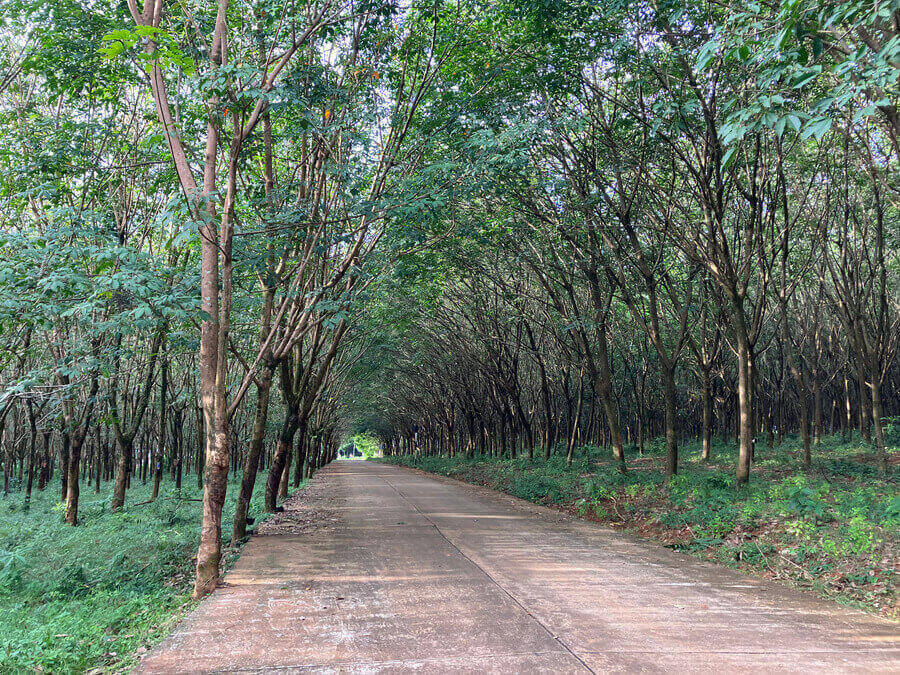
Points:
(161, 446)
(706, 442)
(865, 410)
(282, 449)
(44, 476)
(286, 473)
(848, 417)
(64, 465)
(251, 464)
(179, 451)
(604, 389)
(300, 452)
(32, 444)
(877, 413)
(570, 448)
(817, 409)
(126, 449)
(832, 416)
(75, 447)
(745, 396)
(101, 458)
(668, 375)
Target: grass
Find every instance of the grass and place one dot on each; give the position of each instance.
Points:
(97, 595)
(832, 529)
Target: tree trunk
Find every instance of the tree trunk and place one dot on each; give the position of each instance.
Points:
(865, 410)
(668, 375)
(745, 395)
(706, 442)
(126, 448)
(282, 449)
(570, 447)
(178, 451)
(286, 473)
(848, 417)
(64, 465)
(100, 458)
(251, 463)
(609, 406)
(44, 476)
(75, 447)
(817, 409)
(161, 446)
(300, 452)
(215, 484)
(877, 412)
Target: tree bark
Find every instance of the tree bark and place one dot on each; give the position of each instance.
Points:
(75, 447)
(282, 448)
(126, 449)
(251, 463)
(706, 433)
(161, 446)
(745, 398)
(65, 442)
(668, 376)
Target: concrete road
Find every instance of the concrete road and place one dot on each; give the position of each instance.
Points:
(381, 569)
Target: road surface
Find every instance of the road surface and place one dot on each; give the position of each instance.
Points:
(381, 569)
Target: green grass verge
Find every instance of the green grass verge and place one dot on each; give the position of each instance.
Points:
(832, 529)
(97, 595)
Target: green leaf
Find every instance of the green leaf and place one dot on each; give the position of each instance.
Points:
(816, 128)
(804, 79)
(706, 55)
(780, 125)
(784, 36)
(728, 156)
(817, 46)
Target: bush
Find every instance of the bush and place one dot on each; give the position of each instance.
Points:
(533, 487)
(802, 500)
(892, 431)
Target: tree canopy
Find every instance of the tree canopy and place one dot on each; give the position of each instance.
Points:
(236, 235)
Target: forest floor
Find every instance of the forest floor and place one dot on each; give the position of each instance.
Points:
(832, 529)
(381, 569)
(96, 596)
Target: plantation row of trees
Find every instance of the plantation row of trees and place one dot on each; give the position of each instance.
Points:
(169, 442)
(234, 236)
(194, 199)
(685, 226)
(498, 367)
